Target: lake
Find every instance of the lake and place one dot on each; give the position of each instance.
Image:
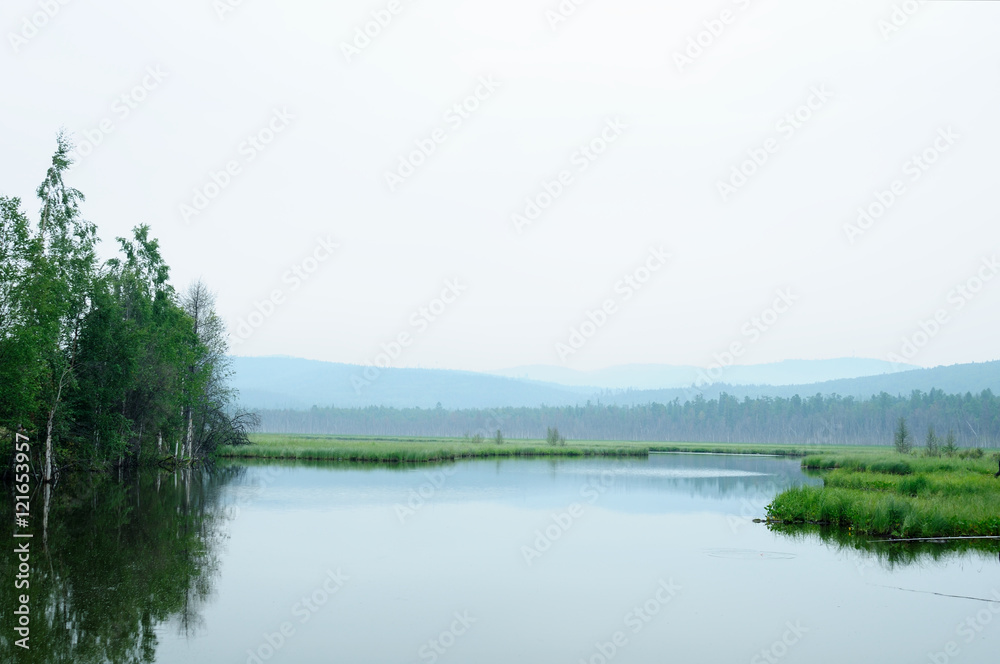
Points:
(487, 561)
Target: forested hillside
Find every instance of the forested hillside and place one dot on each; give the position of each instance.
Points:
(288, 382)
(103, 362)
(974, 420)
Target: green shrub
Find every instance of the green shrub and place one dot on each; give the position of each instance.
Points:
(950, 448)
(891, 467)
(914, 485)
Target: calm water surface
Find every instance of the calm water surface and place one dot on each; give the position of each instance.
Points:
(599, 560)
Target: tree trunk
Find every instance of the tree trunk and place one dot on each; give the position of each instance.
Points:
(190, 433)
(47, 495)
(47, 472)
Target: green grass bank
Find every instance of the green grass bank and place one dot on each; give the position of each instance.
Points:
(411, 450)
(880, 492)
(426, 450)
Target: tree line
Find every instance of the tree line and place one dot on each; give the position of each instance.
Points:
(973, 419)
(104, 363)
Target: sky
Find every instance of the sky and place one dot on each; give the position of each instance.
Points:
(470, 185)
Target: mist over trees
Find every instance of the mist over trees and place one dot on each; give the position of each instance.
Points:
(971, 420)
(104, 363)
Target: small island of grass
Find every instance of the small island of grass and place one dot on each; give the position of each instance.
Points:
(885, 493)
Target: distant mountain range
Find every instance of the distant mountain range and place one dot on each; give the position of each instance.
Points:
(285, 382)
(665, 376)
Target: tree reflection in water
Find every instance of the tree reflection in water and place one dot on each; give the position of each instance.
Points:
(118, 557)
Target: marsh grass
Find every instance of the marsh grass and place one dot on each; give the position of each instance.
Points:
(882, 493)
(744, 448)
(412, 450)
(423, 450)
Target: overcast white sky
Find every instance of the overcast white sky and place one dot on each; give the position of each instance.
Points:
(885, 98)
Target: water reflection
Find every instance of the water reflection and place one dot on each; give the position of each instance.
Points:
(118, 556)
(889, 554)
(659, 483)
(139, 569)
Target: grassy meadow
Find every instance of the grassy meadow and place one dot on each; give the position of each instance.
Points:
(412, 450)
(417, 450)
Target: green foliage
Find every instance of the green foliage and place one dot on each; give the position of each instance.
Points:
(408, 450)
(932, 446)
(765, 422)
(878, 494)
(974, 453)
(102, 360)
(552, 437)
(950, 448)
(901, 439)
(913, 485)
(875, 463)
(498, 438)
